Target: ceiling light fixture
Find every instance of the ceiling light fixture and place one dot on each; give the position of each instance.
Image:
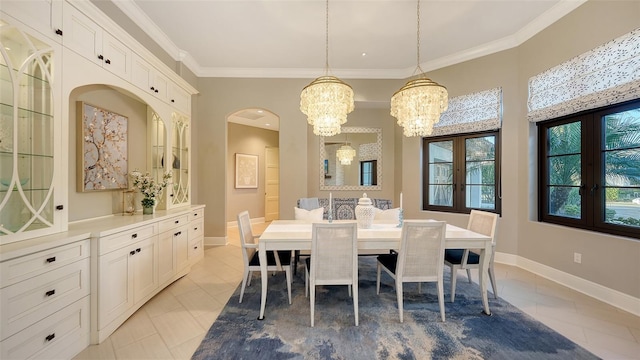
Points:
(419, 103)
(326, 100)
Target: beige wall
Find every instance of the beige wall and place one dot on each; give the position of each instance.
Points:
(247, 140)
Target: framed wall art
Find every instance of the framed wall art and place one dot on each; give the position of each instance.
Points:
(246, 171)
(102, 149)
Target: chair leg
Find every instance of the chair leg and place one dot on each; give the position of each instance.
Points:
(454, 273)
(245, 274)
(441, 298)
(492, 277)
(296, 257)
(378, 280)
(306, 282)
(399, 296)
(250, 277)
(355, 301)
(312, 302)
(469, 275)
(349, 290)
(287, 272)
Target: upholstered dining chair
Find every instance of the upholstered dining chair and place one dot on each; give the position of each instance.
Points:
(483, 223)
(419, 259)
(276, 261)
(333, 260)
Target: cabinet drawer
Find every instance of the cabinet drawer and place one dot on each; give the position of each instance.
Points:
(196, 229)
(119, 240)
(174, 222)
(196, 248)
(29, 301)
(61, 335)
(14, 270)
(196, 214)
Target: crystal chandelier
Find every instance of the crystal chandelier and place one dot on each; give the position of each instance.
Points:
(419, 103)
(326, 100)
(345, 154)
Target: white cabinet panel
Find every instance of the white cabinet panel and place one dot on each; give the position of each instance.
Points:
(145, 269)
(44, 16)
(115, 285)
(180, 99)
(88, 39)
(166, 257)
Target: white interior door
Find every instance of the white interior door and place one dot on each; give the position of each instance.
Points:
(272, 184)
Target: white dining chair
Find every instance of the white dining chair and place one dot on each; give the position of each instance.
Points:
(483, 223)
(419, 259)
(333, 260)
(276, 261)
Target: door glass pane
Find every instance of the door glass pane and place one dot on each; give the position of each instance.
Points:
(621, 156)
(440, 188)
(564, 169)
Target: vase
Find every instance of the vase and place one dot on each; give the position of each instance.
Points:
(365, 212)
(147, 210)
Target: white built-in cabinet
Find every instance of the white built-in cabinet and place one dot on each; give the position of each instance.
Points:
(133, 263)
(64, 285)
(31, 200)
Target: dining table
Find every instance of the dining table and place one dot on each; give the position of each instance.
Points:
(288, 235)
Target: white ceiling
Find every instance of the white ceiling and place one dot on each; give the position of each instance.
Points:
(280, 38)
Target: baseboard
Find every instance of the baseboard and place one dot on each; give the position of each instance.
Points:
(210, 241)
(612, 297)
(233, 224)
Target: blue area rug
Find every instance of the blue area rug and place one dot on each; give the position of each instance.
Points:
(467, 334)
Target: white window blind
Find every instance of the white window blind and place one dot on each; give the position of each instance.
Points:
(480, 111)
(608, 74)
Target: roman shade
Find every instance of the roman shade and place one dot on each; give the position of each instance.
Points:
(479, 111)
(606, 75)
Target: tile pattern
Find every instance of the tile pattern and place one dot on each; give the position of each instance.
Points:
(172, 324)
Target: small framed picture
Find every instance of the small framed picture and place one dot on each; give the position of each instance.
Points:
(246, 171)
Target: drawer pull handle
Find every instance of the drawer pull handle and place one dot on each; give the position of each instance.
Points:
(51, 259)
(108, 61)
(177, 221)
(50, 337)
(178, 233)
(195, 248)
(195, 214)
(134, 236)
(50, 292)
(195, 228)
(138, 250)
(132, 252)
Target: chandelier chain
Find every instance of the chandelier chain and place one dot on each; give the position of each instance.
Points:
(326, 51)
(418, 36)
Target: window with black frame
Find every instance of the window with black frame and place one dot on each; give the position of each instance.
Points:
(589, 170)
(462, 172)
(368, 173)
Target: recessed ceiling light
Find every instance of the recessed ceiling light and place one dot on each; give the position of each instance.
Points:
(364, 54)
(260, 111)
(267, 124)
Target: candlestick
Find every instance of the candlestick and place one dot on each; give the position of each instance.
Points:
(330, 208)
(400, 200)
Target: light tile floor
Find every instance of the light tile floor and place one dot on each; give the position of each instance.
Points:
(172, 324)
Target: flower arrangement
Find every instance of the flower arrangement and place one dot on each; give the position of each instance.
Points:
(148, 187)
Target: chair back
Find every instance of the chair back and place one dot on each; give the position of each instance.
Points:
(421, 253)
(483, 223)
(246, 236)
(334, 253)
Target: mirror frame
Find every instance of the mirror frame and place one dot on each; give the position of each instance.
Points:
(353, 130)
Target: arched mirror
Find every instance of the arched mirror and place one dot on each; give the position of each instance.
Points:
(351, 160)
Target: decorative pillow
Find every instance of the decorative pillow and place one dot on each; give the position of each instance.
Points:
(309, 215)
(390, 214)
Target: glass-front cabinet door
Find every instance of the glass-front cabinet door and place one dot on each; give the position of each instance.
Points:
(180, 155)
(158, 153)
(29, 137)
